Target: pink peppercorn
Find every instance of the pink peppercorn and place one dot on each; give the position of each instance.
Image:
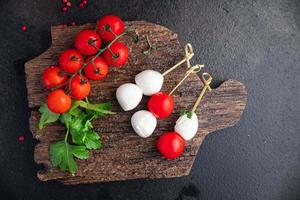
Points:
(85, 2)
(23, 28)
(65, 1)
(21, 138)
(65, 9)
(81, 5)
(69, 4)
(63, 25)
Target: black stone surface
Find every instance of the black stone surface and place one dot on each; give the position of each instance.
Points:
(256, 42)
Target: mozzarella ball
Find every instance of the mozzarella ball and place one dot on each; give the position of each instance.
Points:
(149, 81)
(187, 127)
(129, 96)
(143, 123)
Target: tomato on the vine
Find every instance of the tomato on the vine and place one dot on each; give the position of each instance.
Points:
(109, 26)
(80, 87)
(161, 105)
(58, 101)
(97, 69)
(70, 60)
(53, 76)
(88, 42)
(116, 55)
(170, 145)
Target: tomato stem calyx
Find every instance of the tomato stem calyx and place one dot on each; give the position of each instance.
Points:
(107, 27)
(74, 58)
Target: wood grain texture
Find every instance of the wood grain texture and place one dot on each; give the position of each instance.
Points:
(125, 155)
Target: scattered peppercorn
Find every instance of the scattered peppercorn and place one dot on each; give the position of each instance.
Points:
(24, 28)
(65, 9)
(21, 138)
(81, 5)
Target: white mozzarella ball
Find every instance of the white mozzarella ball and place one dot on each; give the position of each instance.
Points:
(143, 123)
(149, 81)
(186, 127)
(129, 96)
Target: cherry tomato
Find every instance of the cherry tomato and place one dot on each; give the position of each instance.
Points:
(119, 57)
(80, 87)
(53, 76)
(58, 101)
(109, 26)
(161, 105)
(88, 42)
(70, 60)
(170, 145)
(96, 70)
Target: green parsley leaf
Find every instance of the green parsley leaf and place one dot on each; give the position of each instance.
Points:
(66, 119)
(75, 112)
(75, 105)
(188, 113)
(100, 109)
(62, 154)
(82, 133)
(183, 111)
(135, 38)
(46, 116)
(78, 121)
(77, 128)
(92, 140)
(153, 47)
(146, 52)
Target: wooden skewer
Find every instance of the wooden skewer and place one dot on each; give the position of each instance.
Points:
(206, 79)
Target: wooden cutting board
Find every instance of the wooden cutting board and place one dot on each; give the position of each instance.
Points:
(124, 154)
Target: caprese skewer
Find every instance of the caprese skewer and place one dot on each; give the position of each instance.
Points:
(172, 144)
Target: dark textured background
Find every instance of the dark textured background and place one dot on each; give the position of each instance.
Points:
(256, 42)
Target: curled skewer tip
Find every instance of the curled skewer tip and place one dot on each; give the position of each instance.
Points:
(188, 50)
(195, 69)
(188, 54)
(207, 79)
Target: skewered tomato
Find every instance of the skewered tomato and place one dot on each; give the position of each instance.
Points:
(161, 105)
(170, 145)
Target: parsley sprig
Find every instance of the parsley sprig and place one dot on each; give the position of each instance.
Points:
(78, 123)
(186, 112)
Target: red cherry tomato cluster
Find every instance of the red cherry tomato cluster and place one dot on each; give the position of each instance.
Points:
(67, 80)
